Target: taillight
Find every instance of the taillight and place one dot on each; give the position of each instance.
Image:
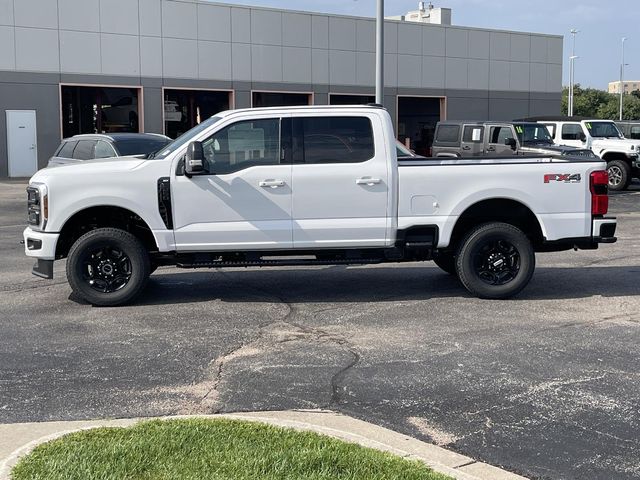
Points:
(599, 186)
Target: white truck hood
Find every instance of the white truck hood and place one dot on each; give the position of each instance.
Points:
(90, 168)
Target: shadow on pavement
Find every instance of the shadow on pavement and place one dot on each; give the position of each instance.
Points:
(340, 284)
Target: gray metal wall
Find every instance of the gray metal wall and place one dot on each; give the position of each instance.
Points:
(189, 44)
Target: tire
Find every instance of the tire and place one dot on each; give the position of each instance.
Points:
(446, 261)
(108, 267)
(481, 250)
(619, 175)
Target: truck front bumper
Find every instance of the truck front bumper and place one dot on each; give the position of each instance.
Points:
(42, 246)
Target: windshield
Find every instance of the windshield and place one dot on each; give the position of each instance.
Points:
(603, 129)
(186, 137)
(531, 133)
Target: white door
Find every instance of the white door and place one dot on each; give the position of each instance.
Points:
(22, 147)
(340, 183)
(244, 201)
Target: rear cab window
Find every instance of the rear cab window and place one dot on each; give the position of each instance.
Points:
(333, 140)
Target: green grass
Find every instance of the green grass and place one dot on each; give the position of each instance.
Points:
(210, 449)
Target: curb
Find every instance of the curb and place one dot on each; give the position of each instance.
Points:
(19, 439)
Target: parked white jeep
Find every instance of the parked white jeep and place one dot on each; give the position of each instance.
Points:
(606, 140)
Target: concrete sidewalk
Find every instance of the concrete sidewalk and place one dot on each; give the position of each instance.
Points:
(20, 438)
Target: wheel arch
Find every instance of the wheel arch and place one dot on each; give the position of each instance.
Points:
(91, 218)
(506, 210)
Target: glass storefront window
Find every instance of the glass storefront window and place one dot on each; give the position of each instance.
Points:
(99, 110)
(184, 109)
(278, 99)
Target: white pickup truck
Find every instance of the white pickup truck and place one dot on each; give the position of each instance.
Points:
(605, 139)
(309, 185)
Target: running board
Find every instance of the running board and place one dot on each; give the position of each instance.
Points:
(276, 263)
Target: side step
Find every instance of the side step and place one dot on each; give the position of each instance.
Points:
(284, 262)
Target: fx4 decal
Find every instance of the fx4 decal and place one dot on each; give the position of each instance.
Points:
(562, 177)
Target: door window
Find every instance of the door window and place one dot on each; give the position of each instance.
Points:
(84, 150)
(472, 134)
(242, 145)
(634, 132)
(500, 134)
(552, 129)
(571, 131)
(104, 150)
(337, 140)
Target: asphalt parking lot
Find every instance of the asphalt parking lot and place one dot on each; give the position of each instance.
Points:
(546, 385)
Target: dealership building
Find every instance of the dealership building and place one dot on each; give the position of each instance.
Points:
(101, 66)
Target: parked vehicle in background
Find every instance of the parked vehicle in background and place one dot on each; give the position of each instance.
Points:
(605, 139)
(630, 130)
(455, 139)
(80, 148)
(309, 185)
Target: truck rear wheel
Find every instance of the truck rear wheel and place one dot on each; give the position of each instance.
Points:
(108, 267)
(619, 174)
(495, 260)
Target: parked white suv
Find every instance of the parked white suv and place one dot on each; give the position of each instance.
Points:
(606, 140)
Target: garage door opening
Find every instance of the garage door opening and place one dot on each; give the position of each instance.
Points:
(350, 99)
(184, 109)
(91, 109)
(280, 99)
(417, 118)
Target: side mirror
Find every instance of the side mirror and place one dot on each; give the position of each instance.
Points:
(583, 137)
(194, 160)
(511, 142)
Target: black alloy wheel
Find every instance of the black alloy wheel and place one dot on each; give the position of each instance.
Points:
(108, 267)
(495, 260)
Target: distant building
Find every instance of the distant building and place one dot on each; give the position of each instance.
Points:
(629, 86)
(101, 66)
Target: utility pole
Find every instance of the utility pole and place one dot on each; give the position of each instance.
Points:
(380, 53)
(572, 75)
(622, 76)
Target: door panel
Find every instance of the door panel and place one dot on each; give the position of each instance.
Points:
(22, 143)
(472, 140)
(495, 140)
(244, 202)
(338, 203)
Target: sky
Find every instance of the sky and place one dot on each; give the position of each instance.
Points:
(601, 24)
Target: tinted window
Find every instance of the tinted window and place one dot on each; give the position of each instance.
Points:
(104, 150)
(67, 150)
(500, 134)
(634, 132)
(243, 145)
(472, 134)
(139, 146)
(337, 139)
(571, 131)
(448, 133)
(84, 150)
(603, 129)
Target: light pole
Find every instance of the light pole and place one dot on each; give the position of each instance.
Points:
(572, 59)
(621, 76)
(380, 53)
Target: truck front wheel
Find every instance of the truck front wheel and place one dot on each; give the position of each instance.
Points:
(495, 260)
(619, 174)
(108, 267)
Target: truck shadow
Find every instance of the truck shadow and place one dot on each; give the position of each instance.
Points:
(378, 284)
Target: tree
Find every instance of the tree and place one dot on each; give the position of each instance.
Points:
(594, 103)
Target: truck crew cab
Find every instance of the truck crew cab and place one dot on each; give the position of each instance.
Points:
(309, 185)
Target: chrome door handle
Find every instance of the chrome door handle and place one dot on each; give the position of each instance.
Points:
(368, 181)
(271, 183)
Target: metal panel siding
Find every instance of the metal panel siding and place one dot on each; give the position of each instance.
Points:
(113, 21)
(214, 23)
(120, 54)
(6, 12)
(296, 30)
(79, 15)
(80, 52)
(8, 50)
(36, 13)
(37, 49)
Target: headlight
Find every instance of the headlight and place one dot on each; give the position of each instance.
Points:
(37, 205)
